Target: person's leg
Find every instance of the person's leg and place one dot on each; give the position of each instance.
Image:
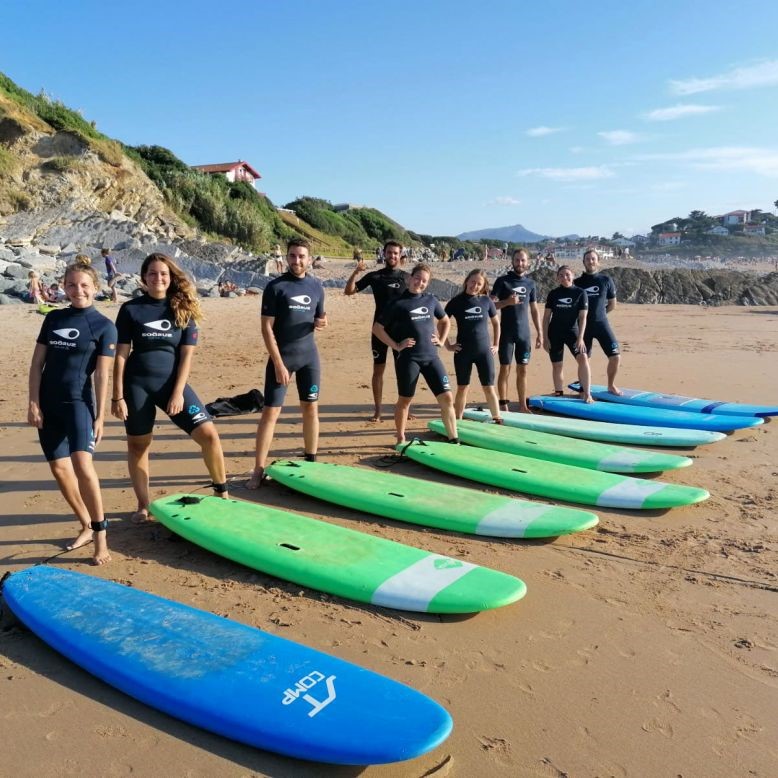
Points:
(613, 368)
(89, 489)
(310, 411)
(584, 377)
(521, 387)
(265, 431)
(502, 385)
(207, 437)
(377, 384)
(490, 394)
(461, 400)
(558, 378)
(401, 416)
(65, 476)
(446, 403)
(138, 447)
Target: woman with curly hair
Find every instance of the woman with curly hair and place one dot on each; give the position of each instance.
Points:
(157, 335)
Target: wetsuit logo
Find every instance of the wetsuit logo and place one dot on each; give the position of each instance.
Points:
(520, 289)
(593, 290)
(476, 309)
(565, 300)
(161, 325)
(68, 334)
(313, 392)
(303, 299)
(395, 285)
(193, 409)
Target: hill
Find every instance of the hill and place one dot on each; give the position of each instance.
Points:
(515, 234)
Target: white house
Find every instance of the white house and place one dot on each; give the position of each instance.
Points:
(669, 238)
(718, 230)
(233, 171)
(623, 243)
(754, 229)
(735, 217)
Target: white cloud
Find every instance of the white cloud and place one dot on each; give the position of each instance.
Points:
(539, 132)
(576, 149)
(743, 159)
(679, 111)
(504, 200)
(748, 77)
(569, 173)
(619, 137)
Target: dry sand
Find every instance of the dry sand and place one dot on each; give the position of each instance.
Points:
(646, 647)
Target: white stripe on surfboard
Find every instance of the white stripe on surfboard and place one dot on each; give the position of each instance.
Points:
(630, 493)
(624, 460)
(416, 586)
(510, 520)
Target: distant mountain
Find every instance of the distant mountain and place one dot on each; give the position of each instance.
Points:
(515, 234)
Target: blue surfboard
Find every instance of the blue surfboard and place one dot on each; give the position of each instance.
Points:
(678, 402)
(226, 677)
(634, 414)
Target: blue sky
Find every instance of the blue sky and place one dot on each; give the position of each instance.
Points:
(564, 116)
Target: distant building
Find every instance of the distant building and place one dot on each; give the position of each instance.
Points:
(735, 217)
(754, 229)
(640, 238)
(345, 207)
(669, 238)
(623, 243)
(565, 254)
(233, 171)
(718, 230)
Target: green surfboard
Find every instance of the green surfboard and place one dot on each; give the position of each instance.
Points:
(632, 434)
(428, 503)
(335, 559)
(550, 479)
(557, 448)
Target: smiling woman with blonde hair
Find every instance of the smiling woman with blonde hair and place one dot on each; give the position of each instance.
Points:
(157, 335)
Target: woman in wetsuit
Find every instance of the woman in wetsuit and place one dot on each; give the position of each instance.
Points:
(157, 334)
(74, 344)
(478, 337)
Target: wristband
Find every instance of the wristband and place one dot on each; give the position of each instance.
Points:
(116, 399)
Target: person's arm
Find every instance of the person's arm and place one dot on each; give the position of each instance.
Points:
(351, 283)
(495, 322)
(268, 336)
(542, 333)
(546, 321)
(118, 404)
(320, 316)
(512, 299)
(443, 326)
(175, 403)
(102, 371)
(581, 329)
(610, 305)
(34, 414)
(380, 332)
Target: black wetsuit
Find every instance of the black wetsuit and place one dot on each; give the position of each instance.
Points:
(74, 339)
(515, 337)
(565, 303)
(294, 303)
(149, 326)
(474, 334)
(387, 285)
(413, 316)
(599, 289)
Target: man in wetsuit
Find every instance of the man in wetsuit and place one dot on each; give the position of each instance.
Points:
(415, 326)
(601, 292)
(515, 296)
(387, 284)
(292, 310)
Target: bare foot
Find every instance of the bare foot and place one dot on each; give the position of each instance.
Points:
(615, 390)
(101, 555)
(588, 399)
(524, 408)
(223, 495)
(141, 516)
(411, 417)
(254, 481)
(84, 539)
(376, 417)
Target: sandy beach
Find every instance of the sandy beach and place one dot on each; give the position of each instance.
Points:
(645, 647)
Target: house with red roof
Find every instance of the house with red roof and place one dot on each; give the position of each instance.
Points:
(735, 217)
(234, 171)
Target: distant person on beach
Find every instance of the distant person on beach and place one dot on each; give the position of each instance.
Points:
(408, 326)
(34, 288)
(54, 294)
(292, 311)
(478, 337)
(601, 293)
(515, 296)
(157, 335)
(386, 284)
(564, 322)
(110, 265)
(278, 258)
(68, 410)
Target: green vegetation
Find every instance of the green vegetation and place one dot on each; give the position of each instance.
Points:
(61, 164)
(7, 162)
(210, 202)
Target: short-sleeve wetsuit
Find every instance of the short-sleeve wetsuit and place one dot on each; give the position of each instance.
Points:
(599, 289)
(474, 334)
(74, 339)
(387, 285)
(515, 337)
(413, 316)
(149, 326)
(565, 303)
(294, 303)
